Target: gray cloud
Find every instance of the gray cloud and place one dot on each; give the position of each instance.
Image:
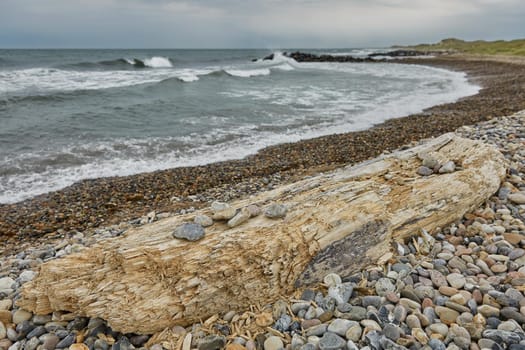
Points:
(253, 23)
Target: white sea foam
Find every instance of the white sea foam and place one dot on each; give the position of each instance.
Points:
(49, 80)
(315, 111)
(247, 73)
(158, 62)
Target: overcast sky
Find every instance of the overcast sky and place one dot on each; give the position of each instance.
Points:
(253, 23)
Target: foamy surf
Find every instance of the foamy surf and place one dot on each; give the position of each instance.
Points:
(139, 120)
(158, 62)
(247, 73)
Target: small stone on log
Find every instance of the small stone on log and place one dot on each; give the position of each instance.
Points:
(189, 231)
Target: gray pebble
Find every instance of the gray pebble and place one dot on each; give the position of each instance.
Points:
(297, 341)
(436, 344)
(67, 341)
(392, 332)
(32, 344)
(341, 292)
(430, 162)
(331, 341)
(308, 346)
(275, 211)
(189, 231)
(283, 323)
(272, 343)
(54, 326)
(241, 217)
(308, 295)
(448, 167)
(511, 313)
(318, 330)
(203, 220)
(400, 313)
(122, 344)
(384, 286)
(101, 344)
(499, 336)
(340, 326)
(36, 332)
(371, 300)
(79, 323)
(296, 307)
(424, 171)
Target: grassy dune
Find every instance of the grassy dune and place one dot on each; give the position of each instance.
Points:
(480, 47)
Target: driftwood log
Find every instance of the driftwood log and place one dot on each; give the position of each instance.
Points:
(339, 222)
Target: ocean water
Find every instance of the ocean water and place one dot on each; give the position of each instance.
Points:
(67, 115)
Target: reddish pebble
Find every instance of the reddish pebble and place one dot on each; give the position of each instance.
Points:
(448, 291)
(392, 297)
(489, 262)
(455, 240)
(477, 296)
(310, 323)
(498, 268)
(427, 302)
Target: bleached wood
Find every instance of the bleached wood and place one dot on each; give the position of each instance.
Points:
(341, 221)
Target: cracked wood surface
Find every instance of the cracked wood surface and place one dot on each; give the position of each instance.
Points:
(342, 221)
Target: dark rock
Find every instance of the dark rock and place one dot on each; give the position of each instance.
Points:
(502, 336)
(100, 345)
(493, 322)
(308, 295)
(67, 341)
(511, 313)
(516, 347)
(100, 329)
(138, 340)
(212, 342)
(78, 324)
(24, 328)
(122, 344)
(259, 341)
(223, 329)
(36, 332)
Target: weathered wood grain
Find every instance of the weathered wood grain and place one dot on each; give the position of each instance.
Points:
(338, 222)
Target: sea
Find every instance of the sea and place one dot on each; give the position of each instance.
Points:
(68, 115)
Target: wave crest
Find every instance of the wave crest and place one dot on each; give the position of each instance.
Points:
(158, 62)
(247, 73)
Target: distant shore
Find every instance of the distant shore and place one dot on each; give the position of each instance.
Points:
(101, 202)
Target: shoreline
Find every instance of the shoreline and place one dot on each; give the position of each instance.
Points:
(107, 201)
(462, 289)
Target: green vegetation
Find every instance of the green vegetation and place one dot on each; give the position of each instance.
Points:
(481, 47)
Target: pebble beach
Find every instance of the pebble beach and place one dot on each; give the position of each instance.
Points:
(464, 290)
